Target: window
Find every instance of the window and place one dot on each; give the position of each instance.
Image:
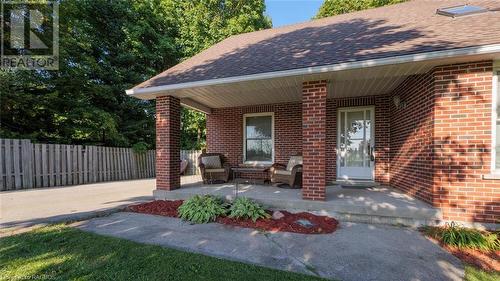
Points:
(459, 11)
(496, 116)
(258, 137)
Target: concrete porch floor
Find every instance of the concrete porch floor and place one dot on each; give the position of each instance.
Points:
(381, 204)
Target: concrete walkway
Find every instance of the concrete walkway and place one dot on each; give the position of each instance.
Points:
(25, 208)
(379, 204)
(354, 252)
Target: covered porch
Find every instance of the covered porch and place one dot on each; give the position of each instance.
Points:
(364, 124)
(403, 103)
(377, 204)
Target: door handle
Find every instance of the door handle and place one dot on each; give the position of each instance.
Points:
(371, 151)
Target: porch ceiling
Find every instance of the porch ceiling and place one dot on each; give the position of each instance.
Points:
(363, 81)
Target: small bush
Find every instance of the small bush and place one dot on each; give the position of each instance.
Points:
(140, 147)
(247, 209)
(202, 209)
(455, 235)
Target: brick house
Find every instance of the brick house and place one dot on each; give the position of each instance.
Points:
(405, 95)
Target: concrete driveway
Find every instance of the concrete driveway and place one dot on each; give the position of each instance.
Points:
(355, 252)
(45, 205)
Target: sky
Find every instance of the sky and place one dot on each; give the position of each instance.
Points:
(284, 12)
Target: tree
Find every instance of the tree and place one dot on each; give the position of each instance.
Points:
(202, 24)
(107, 47)
(206, 22)
(337, 7)
(193, 129)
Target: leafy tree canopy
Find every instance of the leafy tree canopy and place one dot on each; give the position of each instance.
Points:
(337, 7)
(107, 47)
(206, 22)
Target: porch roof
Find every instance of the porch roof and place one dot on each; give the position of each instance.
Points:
(367, 50)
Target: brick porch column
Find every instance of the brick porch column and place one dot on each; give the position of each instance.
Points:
(314, 95)
(168, 123)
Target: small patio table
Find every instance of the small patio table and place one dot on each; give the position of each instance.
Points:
(239, 170)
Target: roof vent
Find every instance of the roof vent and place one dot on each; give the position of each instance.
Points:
(460, 11)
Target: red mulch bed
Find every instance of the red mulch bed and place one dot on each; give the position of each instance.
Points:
(489, 261)
(321, 224)
(158, 207)
(287, 223)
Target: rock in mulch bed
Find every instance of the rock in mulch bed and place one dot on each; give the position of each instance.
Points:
(305, 223)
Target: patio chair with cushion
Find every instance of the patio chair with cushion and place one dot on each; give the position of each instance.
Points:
(213, 168)
(290, 174)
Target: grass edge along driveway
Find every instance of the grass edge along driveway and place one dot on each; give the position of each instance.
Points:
(60, 252)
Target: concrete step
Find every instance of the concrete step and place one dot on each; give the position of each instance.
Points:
(355, 183)
(381, 205)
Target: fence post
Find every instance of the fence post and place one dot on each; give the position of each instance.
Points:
(27, 162)
(2, 157)
(133, 164)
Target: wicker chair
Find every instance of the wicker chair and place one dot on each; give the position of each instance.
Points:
(213, 171)
(290, 174)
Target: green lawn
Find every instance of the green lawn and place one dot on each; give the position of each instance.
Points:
(474, 274)
(64, 253)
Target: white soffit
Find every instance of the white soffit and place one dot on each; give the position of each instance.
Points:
(369, 78)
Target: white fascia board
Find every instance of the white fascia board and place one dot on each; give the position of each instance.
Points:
(480, 50)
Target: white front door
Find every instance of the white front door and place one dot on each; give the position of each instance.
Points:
(355, 143)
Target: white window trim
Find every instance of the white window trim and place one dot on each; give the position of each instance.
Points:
(245, 138)
(496, 80)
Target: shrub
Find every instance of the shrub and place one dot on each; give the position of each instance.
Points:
(140, 147)
(202, 209)
(455, 235)
(247, 209)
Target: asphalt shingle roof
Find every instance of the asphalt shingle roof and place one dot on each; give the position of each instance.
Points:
(407, 28)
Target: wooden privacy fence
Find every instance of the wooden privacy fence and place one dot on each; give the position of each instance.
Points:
(192, 157)
(27, 165)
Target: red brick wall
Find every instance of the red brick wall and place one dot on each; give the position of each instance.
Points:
(225, 131)
(411, 137)
(314, 110)
(436, 147)
(441, 141)
(168, 123)
(462, 143)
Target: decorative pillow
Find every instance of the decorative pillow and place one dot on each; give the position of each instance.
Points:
(294, 160)
(211, 162)
(283, 172)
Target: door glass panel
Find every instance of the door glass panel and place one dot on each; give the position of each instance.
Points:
(368, 125)
(355, 146)
(368, 138)
(355, 123)
(355, 138)
(342, 139)
(355, 153)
